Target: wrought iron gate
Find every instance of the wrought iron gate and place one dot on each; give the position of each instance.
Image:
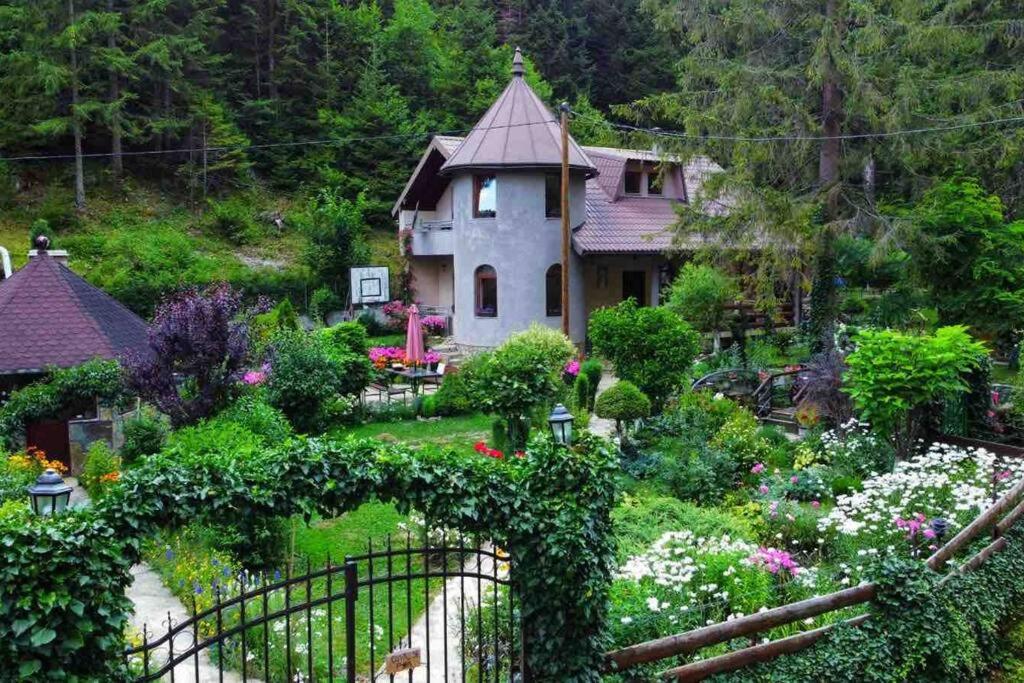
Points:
(443, 612)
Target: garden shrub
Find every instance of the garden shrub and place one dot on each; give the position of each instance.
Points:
(198, 349)
(702, 475)
(700, 294)
(581, 394)
(651, 347)
(264, 326)
(640, 520)
(622, 402)
(63, 609)
(522, 376)
(739, 438)
(347, 338)
(309, 375)
(894, 377)
(322, 302)
(592, 370)
(143, 435)
(60, 389)
(233, 218)
(100, 469)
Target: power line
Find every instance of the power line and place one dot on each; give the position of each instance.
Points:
(270, 145)
(806, 138)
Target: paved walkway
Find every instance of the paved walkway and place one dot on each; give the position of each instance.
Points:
(598, 425)
(435, 615)
(154, 605)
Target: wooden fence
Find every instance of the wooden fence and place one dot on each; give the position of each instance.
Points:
(1002, 515)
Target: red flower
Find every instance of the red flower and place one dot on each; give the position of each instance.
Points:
(520, 454)
(480, 447)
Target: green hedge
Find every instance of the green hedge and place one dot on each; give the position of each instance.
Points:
(63, 609)
(550, 508)
(60, 389)
(918, 631)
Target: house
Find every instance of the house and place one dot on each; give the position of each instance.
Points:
(482, 218)
(50, 317)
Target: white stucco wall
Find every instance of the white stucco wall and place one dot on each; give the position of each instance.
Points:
(520, 243)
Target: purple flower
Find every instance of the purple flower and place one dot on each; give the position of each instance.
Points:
(758, 468)
(763, 489)
(572, 368)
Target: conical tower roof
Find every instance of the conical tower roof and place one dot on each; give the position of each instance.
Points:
(517, 132)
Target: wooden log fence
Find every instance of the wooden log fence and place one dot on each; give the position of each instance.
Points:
(753, 624)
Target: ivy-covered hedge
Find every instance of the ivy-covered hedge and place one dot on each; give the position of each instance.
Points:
(62, 604)
(60, 389)
(918, 631)
(551, 508)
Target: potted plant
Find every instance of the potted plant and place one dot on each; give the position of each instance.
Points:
(807, 417)
(431, 359)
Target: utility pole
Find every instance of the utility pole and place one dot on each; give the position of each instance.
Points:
(564, 108)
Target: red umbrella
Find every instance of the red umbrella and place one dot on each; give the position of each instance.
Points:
(414, 350)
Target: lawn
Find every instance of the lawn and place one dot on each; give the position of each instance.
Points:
(459, 432)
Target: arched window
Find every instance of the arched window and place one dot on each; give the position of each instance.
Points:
(486, 291)
(553, 290)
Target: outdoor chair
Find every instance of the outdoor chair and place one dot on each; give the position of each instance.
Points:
(435, 382)
(386, 389)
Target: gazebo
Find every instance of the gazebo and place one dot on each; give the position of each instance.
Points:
(52, 318)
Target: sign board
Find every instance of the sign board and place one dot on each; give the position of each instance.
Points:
(370, 285)
(402, 660)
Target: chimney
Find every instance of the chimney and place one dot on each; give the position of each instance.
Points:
(42, 244)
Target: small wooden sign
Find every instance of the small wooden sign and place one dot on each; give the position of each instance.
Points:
(402, 660)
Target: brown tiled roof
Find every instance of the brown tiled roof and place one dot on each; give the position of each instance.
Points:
(621, 224)
(518, 131)
(50, 316)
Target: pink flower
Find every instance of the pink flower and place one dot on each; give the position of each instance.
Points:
(763, 489)
(815, 504)
(929, 533)
(758, 468)
(794, 479)
(1005, 474)
(572, 368)
(775, 561)
(254, 377)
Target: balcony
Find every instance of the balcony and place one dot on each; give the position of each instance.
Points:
(432, 238)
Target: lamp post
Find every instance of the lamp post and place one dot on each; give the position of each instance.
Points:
(49, 495)
(560, 420)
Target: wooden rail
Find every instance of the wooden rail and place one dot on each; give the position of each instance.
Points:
(691, 641)
(754, 654)
(750, 625)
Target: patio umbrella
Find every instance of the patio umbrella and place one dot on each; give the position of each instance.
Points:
(414, 350)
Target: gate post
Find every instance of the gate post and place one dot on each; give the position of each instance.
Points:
(351, 594)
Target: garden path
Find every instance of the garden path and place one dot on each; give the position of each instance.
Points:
(154, 604)
(599, 425)
(439, 650)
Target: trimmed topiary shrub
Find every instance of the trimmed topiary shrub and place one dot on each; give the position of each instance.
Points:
(622, 402)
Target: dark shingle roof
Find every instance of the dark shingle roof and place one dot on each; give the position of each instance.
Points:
(518, 131)
(50, 316)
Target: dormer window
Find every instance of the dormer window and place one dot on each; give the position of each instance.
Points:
(633, 182)
(485, 196)
(653, 183)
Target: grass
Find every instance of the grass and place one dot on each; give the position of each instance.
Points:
(459, 432)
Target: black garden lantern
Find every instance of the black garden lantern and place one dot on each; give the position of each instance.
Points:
(560, 420)
(49, 495)
(940, 526)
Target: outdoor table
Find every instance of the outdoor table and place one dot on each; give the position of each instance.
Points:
(414, 375)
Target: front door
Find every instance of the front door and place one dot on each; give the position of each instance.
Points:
(634, 285)
(51, 437)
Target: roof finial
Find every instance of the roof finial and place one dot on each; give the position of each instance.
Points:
(517, 64)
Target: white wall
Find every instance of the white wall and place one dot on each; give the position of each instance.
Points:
(520, 243)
